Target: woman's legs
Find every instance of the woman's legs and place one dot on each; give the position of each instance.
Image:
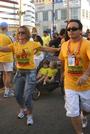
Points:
(19, 90)
(30, 85)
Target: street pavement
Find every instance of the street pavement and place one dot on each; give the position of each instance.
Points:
(49, 116)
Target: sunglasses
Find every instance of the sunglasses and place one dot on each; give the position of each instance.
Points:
(73, 29)
(21, 33)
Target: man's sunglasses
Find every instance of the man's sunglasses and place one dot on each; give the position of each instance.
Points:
(72, 29)
(21, 33)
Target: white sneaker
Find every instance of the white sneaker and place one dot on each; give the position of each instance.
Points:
(5, 95)
(21, 115)
(84, 120)
(29, 120)
(8, 94)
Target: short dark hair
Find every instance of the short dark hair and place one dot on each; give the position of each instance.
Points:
(62, 31)
(77, 21)
(46, 62)
(45, 31)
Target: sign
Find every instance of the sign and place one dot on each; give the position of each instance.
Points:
(58, 1)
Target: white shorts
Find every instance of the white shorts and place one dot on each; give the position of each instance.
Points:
(75, 101)
(6, 66)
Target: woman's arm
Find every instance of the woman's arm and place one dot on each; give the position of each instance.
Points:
(49, 49)
(5, 49)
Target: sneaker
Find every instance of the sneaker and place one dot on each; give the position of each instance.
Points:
(84, 122)
(5, 95)
(29, 120)
(21, 115)
(9, 94)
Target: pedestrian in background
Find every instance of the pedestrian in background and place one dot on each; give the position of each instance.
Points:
(88, 36)
(38, 56)
(75, 57)
(6, 60)
(25, 78)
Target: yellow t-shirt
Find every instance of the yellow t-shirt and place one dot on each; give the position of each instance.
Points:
(70, 75)
(51, 72)
(5, 56)
(24, 54)
(46, 40)
(43, 71)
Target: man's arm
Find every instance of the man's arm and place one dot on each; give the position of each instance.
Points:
(5, 49)
(82, 80)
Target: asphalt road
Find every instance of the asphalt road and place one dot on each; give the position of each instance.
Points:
(49, 116)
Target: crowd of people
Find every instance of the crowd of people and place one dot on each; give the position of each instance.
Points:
(73, 52)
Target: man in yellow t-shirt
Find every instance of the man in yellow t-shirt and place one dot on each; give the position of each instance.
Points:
(6, 60)
(45, 38)
(75, 57)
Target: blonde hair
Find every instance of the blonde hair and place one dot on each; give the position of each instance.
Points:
(34, 30)
(27, 32)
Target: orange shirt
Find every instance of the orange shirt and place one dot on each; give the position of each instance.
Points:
(24, 54)
(5, 56)
(70, 79)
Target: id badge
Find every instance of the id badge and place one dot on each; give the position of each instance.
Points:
(71, 60)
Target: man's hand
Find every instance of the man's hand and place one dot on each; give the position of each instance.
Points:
(82, 80)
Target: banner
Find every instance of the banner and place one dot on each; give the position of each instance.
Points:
(50, 1)
(47, 1)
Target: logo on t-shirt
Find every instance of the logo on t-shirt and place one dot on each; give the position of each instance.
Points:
(23, 57)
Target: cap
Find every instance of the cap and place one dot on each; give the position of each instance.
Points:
(3, 24)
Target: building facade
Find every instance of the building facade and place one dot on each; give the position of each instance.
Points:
(17, 12)
(53, 14)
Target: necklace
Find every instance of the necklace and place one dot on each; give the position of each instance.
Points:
(76, 51)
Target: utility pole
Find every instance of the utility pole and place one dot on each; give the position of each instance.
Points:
(20, 13)
(68, 17)
(53, 16)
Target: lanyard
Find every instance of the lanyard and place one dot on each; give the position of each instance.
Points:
(78, 48)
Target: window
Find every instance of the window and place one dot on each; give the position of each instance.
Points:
(36, 16)
(63, 14)
(83, 13)
(56, 14)
(86, 14)
(89, 15)
(74, 13)
(45, 16)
